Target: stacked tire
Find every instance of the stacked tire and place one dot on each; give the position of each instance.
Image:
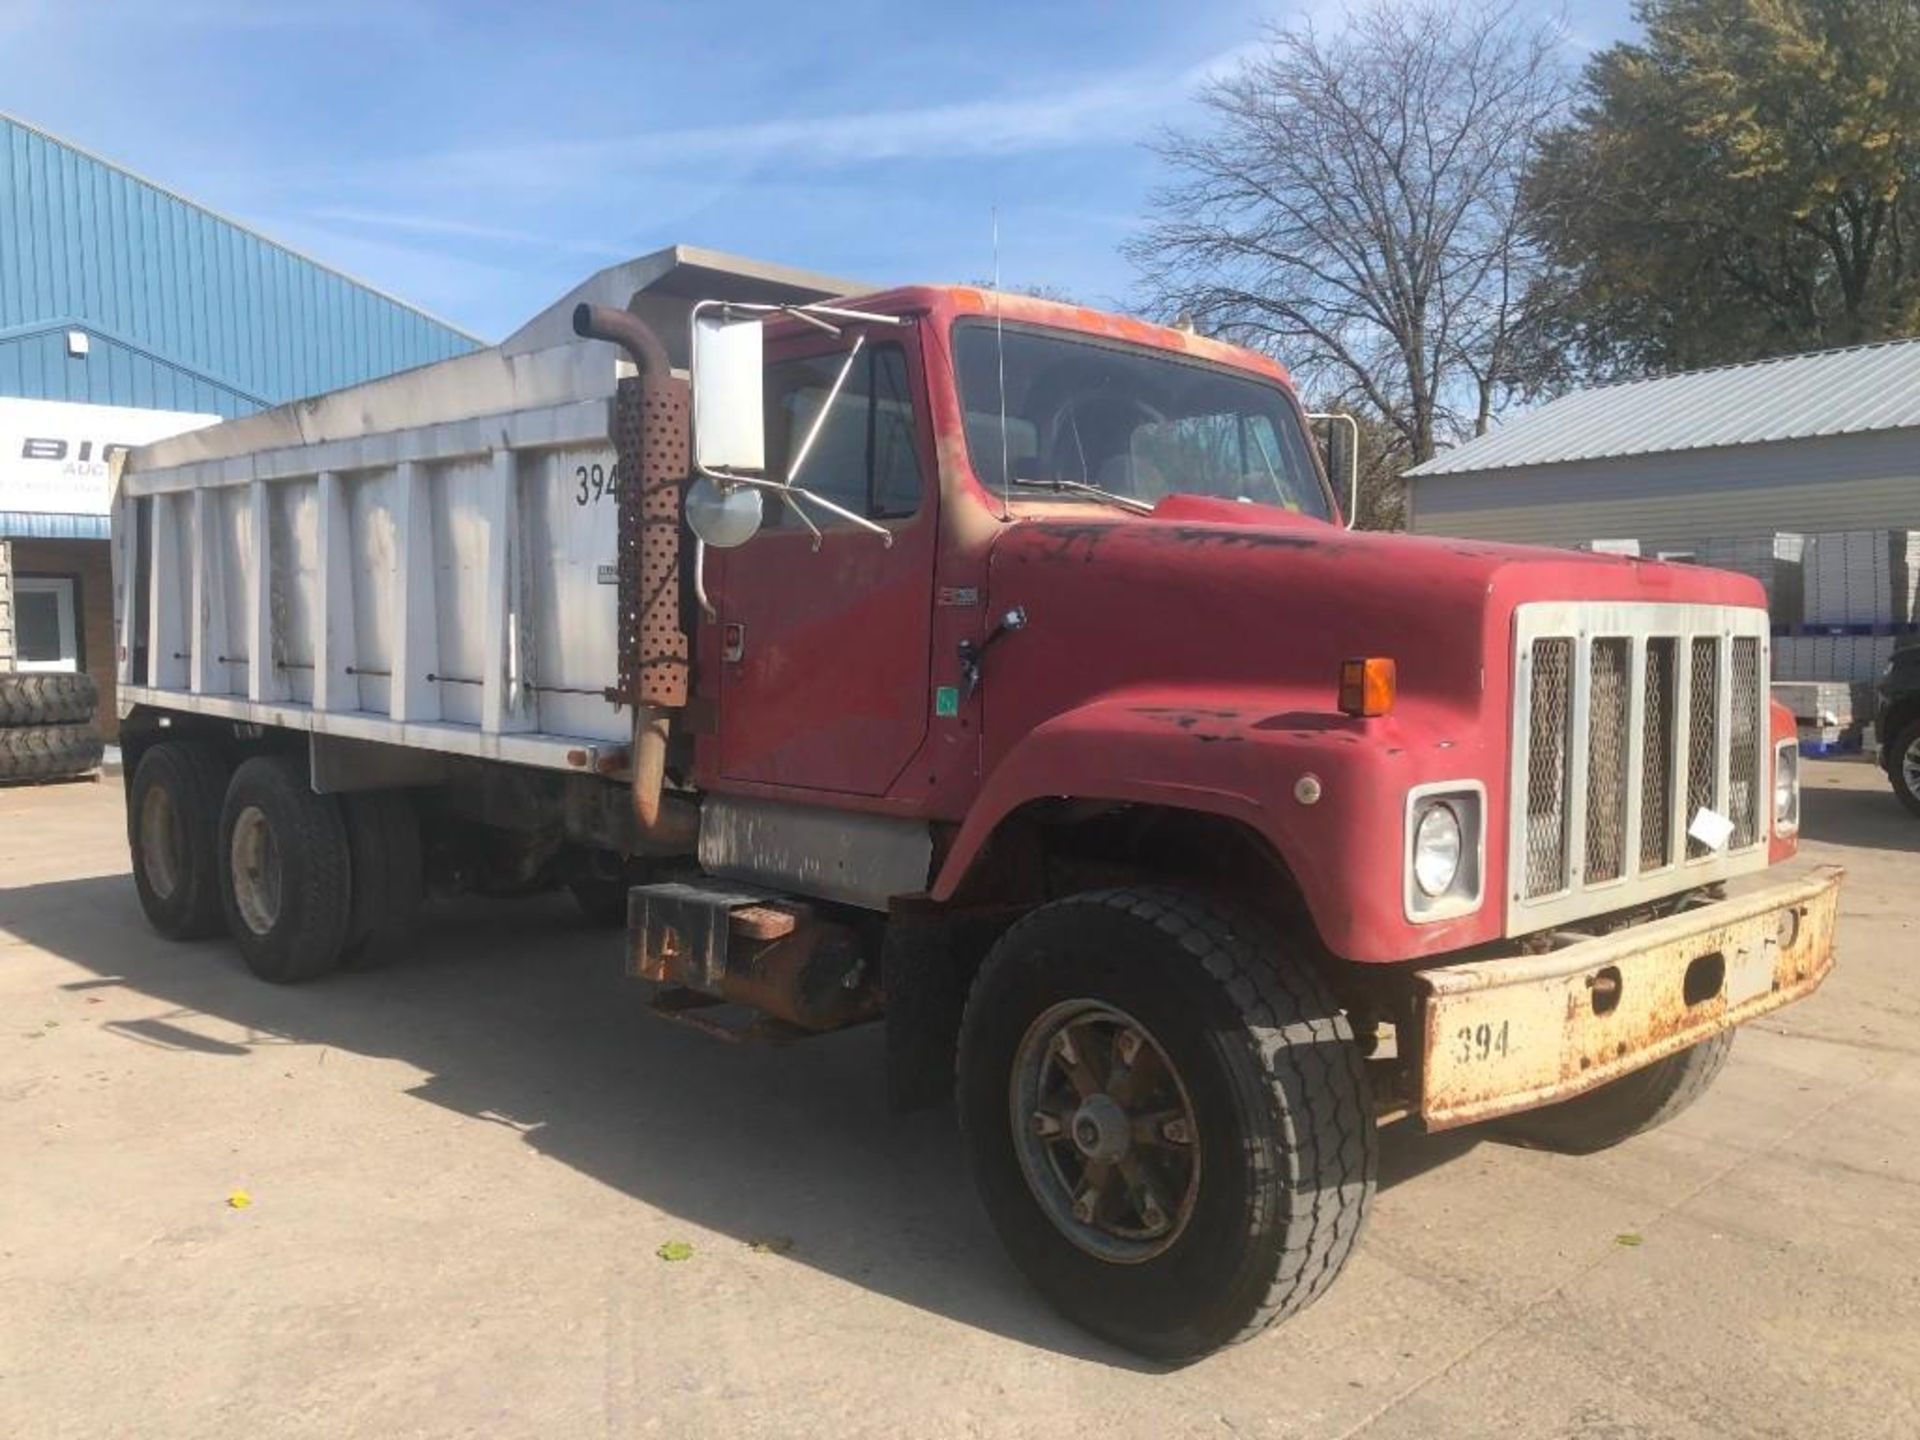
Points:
(47, 729)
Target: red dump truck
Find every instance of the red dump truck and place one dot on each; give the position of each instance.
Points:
(1002, 672)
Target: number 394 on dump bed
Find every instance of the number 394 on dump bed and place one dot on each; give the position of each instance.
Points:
(1000, 671)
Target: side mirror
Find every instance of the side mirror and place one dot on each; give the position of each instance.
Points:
(1342, 453)
(729, 424)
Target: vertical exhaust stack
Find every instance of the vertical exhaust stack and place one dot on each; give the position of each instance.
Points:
(651, 435)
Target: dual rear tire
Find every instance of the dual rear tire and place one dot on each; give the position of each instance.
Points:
(302, 882)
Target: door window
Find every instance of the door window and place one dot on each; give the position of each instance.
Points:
(45, 635)
(864, 457)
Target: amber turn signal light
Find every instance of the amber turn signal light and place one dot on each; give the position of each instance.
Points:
(1367, 686)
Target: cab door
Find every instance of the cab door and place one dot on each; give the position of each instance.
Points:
(824, 655)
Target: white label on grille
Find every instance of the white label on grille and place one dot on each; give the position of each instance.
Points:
(1711, 828)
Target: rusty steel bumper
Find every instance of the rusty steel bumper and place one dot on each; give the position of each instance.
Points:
(1511, 1034)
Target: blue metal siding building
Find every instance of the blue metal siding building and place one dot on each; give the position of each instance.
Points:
(118, 296)
(183, 310)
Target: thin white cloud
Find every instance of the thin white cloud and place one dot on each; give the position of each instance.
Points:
(1114, 109)
(413, 224)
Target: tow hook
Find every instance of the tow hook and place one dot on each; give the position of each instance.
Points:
(971, 654)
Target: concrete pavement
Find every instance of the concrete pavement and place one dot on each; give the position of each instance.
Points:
(461, 1170)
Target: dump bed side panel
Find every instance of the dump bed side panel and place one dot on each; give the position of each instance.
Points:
(446, 586)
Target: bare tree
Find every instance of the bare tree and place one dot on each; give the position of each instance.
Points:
(1353, 208)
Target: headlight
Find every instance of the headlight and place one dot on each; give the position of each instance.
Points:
(1786, 788)
(1445, 857)
(1436, 849)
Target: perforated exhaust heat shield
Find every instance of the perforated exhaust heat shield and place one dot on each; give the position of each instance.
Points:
(650, 439)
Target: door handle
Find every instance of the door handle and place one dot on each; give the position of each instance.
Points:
(971, 654)
(733, 640)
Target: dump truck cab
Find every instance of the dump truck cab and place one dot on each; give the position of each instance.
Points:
(1004, 671)
(1106, 567)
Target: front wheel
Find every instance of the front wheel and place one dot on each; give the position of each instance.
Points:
(1167, 1118)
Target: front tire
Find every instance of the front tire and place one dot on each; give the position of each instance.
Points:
(1602, 1118)
(1200, 1180)
(286, 872)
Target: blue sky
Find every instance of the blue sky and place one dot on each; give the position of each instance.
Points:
(479, 158)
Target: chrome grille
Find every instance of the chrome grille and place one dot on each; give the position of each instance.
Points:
(1609, 694)
(1631, 717)
(1550, 711)
(1743, 743)
(1656, 750)
(1703, 733)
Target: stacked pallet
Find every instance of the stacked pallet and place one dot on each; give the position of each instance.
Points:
(1905, 565)
(1776, 561)
(1825, 702)
(1827, 713)
(1858, 659)
(1862, 577)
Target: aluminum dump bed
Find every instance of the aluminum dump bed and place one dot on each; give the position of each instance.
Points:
(423, 560)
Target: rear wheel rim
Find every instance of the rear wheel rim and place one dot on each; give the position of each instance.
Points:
(160, 842)
(256, 871)
(1105, 1131)
(1910, 768)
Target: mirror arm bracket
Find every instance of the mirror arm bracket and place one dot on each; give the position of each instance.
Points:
(700, 579)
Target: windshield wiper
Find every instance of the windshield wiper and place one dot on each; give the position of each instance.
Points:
(1081, 487)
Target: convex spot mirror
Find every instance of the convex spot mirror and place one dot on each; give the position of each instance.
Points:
(722, 516)
(729, 426)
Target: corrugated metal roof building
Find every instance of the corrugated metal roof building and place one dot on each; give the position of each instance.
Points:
(183, 309)
(1819, 442)
(128, 313)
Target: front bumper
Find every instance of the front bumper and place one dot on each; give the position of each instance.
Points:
(1506, 1035)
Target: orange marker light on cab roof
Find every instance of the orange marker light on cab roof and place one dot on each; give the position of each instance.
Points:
(1367, 686)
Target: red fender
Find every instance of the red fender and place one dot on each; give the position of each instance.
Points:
(1240, 754)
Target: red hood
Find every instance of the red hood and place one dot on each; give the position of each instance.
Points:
(1211, 593)
(1397, 560)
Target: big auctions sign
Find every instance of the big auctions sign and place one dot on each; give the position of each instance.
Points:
(54, 455)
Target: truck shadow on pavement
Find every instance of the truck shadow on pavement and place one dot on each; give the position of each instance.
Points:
(519, 1015)
(1869, 819)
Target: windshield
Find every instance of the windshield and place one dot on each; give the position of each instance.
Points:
(1130, 422)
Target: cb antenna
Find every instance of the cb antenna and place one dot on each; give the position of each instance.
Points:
(1000, 357)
